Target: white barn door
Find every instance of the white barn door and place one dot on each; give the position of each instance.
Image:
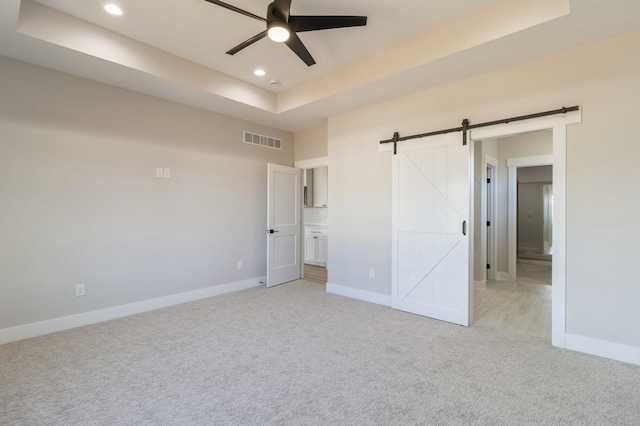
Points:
(431, 228)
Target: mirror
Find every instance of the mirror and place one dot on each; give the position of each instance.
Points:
(315, 187)
(535, 212)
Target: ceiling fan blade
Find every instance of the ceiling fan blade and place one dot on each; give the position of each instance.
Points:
(299, 49)
(283, 7)
(315, 23)
(247, 43)
(236, 9)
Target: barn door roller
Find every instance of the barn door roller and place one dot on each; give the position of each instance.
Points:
(466, 126)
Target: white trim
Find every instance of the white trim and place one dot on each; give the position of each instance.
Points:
(512, 220)
(86, 318)
(471, 215)
(517, 127)
(480, 285)
(394, 232)
(535, 262)
(538, 160)
(312, 163)
(355, 293)
(492, 163)
(502, 276)
(559, 237)
(311, 262)
(603, 348)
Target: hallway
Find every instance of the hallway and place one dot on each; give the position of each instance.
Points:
(522, 306)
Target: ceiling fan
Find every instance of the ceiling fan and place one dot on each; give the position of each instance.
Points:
(282, 27)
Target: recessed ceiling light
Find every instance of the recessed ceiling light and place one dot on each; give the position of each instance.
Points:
(113, 9)
(260, 73)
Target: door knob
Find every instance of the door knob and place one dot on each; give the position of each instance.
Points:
(271, 231)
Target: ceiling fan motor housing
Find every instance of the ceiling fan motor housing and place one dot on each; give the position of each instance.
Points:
(277, 18)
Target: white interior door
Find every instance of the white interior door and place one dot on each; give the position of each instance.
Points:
(284, 228)
(431, 228)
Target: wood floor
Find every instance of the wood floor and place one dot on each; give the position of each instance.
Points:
(522, 306)
(316, 274)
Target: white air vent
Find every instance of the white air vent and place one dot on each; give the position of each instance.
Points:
(266, 141)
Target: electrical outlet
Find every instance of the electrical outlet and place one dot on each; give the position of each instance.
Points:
(240, 265)
(167, 173)
(372, 273)
(80, 290)
(159, 172)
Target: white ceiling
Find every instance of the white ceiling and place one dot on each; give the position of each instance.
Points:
(175, 49)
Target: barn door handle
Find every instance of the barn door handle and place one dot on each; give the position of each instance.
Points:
(271, 231)
(464, 227)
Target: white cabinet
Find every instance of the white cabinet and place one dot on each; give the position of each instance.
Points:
(320, 186)
(323, 250)
(316, 246)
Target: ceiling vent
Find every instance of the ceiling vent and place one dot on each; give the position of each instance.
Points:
(266, 141)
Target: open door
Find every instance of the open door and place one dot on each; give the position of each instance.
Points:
(284, 228)
(431, 205)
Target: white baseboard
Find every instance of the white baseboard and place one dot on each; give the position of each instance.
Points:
(502, 276)
(354, 293)
(528, 250)
(535, 262)
(603, 348)
(72, 321)
(480, 285)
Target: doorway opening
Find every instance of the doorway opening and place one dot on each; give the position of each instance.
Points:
(535, 214)
(506, 221)
(517, 298)
(315, 219)
(535, 224)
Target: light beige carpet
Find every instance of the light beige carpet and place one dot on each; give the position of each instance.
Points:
(294, 355)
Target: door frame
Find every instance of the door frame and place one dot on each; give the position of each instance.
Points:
(558, 124)
(492, 163)
(311, 164)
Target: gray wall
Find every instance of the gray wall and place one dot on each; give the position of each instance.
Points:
(530, 217)
(81, 204)
(311, 143)
(602, 155)
(535, 174)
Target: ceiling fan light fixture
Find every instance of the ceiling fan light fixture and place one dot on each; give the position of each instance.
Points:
(278, 31)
